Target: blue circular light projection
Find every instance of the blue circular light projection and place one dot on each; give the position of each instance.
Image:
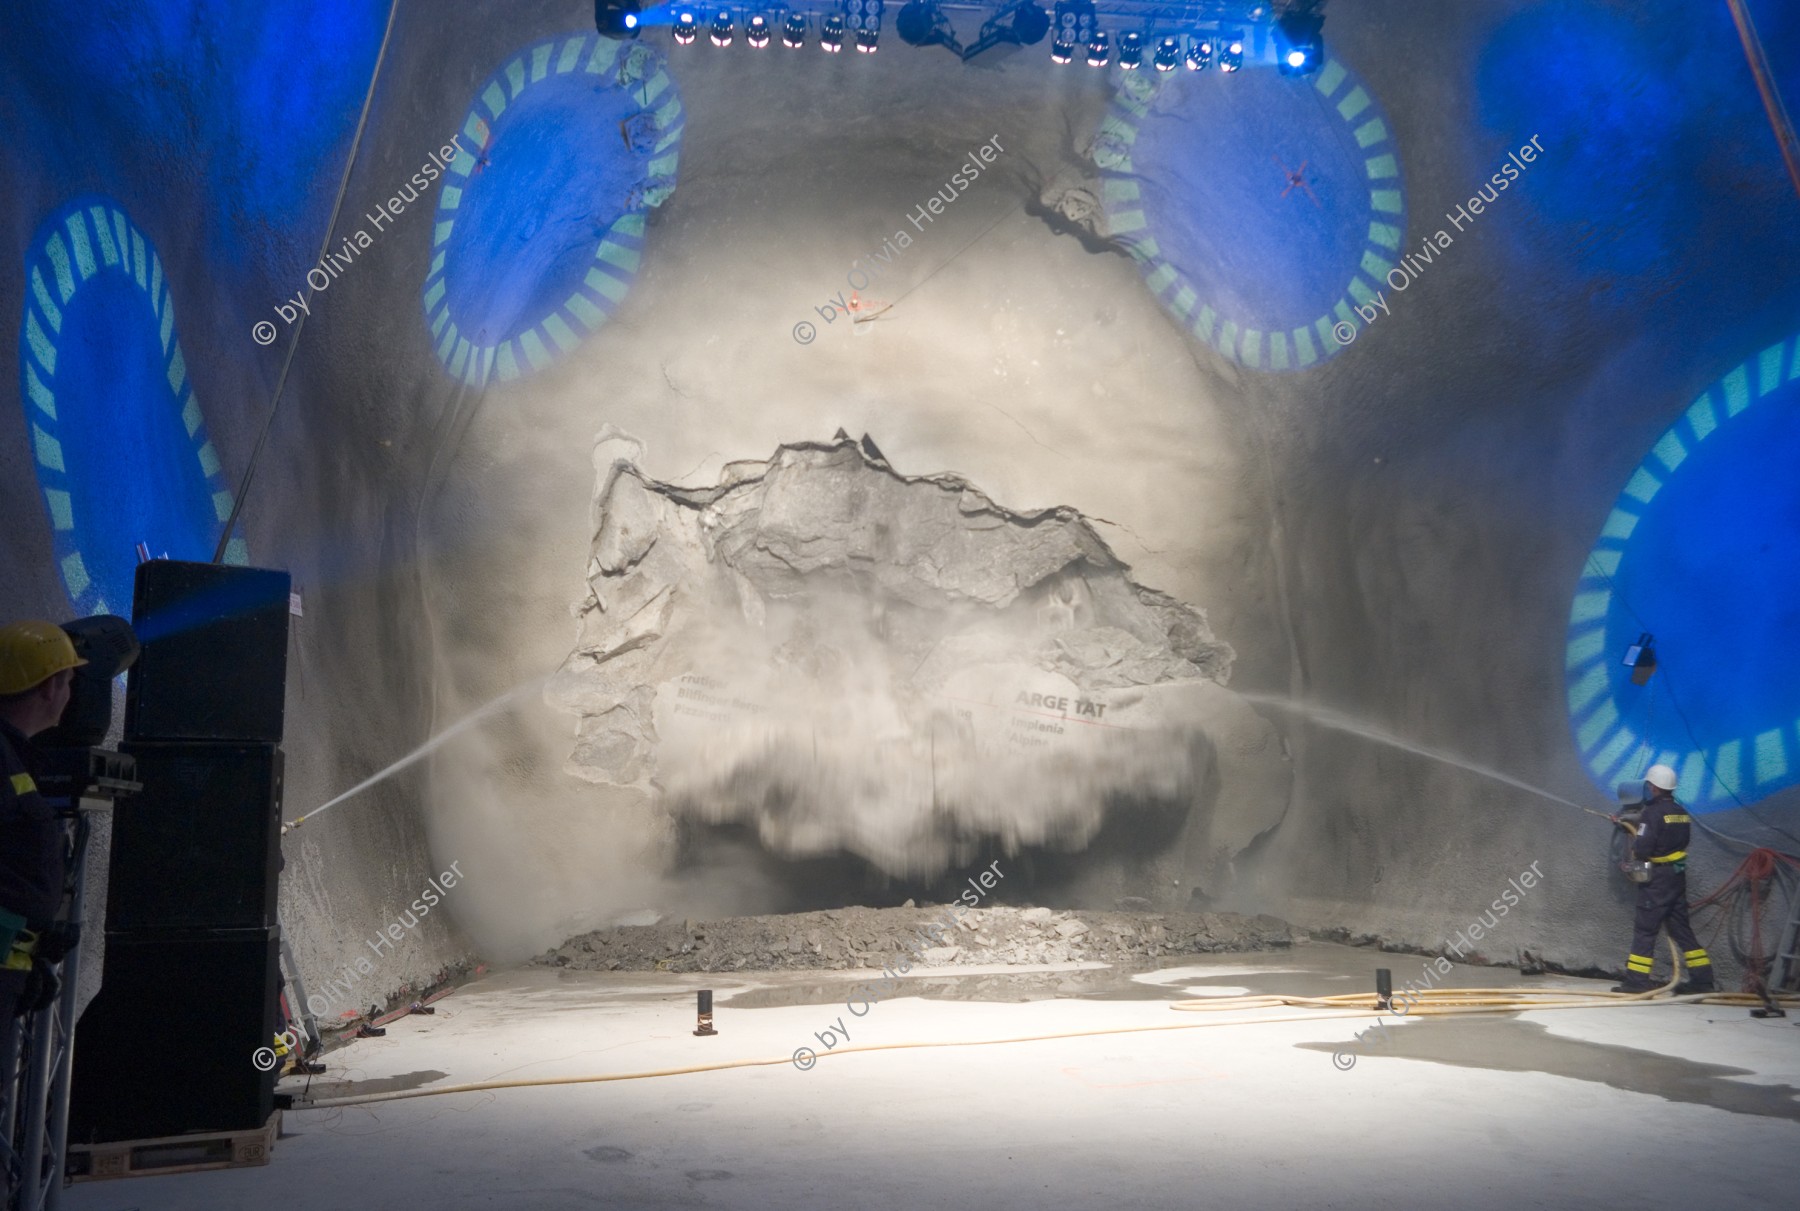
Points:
(1702, 550)
(540, 224)
(1261, 207)
(121, 450)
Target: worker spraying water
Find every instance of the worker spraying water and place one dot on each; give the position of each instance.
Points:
(1658, 864)
(1656, 857)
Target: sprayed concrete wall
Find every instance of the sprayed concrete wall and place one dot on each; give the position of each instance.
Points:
(196, 132)
(1151, 302)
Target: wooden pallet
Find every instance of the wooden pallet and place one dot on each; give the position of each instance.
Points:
(193, 1153)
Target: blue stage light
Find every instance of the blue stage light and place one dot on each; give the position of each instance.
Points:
(1299, 41)
(616, 18)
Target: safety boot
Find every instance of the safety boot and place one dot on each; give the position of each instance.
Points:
(1691, 987)
(1632, 985)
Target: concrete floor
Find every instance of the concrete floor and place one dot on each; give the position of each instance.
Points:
(1676, 1106)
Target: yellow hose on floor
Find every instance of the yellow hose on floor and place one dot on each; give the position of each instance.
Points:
(328, 1103)
(1346, 1005)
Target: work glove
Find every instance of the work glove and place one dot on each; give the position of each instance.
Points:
(42, 987)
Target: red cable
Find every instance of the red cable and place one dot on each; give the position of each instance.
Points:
(1752, 875)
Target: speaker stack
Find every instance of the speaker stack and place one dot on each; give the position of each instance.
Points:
(189, 991)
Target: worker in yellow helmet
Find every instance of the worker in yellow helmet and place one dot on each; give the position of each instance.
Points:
(37, 665)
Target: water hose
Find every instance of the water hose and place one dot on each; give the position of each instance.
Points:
(481, 1086)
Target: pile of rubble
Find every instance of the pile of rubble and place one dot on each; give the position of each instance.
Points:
(870, 937)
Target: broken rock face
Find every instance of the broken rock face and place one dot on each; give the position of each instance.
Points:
(852, 659)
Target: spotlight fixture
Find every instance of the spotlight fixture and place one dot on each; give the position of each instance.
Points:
(1030, 23)
(686, 28)
(831, 36)
(793, 31)
(1099, 49)
(1300, 40)
(1131, 51)
(1018, 23)
(1168, 54)
(1231, 52)
(1062, 50)
(756, 31)
(617, 18)
(863, 14)
(722, 29)
(868, 39)
(1200, 52)
(922, 23)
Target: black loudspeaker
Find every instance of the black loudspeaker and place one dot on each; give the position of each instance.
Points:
(200, 846)
(169, 1044)
(214, 659)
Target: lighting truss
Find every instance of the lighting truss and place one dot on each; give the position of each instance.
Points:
(1201, 33)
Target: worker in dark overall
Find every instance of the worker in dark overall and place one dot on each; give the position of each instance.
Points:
(37, 663)
(1662, 841)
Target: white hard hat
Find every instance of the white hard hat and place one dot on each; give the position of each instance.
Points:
(1662, 777)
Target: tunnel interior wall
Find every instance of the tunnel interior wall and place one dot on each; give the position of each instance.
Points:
(1130, 308)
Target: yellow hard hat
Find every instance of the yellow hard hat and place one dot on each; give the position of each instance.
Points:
(33, 652)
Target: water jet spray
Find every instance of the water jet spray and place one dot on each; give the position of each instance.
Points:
(423, 751)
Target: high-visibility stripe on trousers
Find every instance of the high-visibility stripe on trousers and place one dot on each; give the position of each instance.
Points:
(1662, 903)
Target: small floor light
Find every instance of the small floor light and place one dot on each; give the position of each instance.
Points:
(705, 1009)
